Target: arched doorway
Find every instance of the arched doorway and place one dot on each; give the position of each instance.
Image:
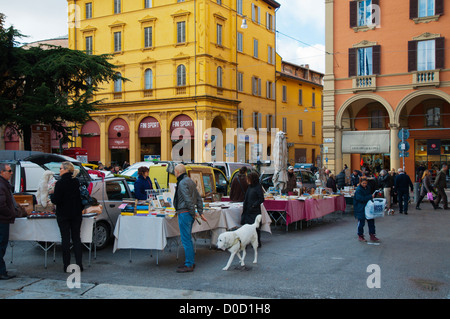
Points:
(90, 140)
(426, 114)
(118, 141)
(182, 131)
(150, 137)
(364, 138)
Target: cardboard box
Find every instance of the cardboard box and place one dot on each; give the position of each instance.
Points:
(26, 201)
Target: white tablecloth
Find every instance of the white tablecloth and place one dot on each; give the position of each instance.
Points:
(147, 232)
(46, 230)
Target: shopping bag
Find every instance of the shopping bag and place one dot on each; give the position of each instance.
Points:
(375, 208)
(430, 196)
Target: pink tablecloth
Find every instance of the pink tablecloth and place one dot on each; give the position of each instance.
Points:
(306, 210)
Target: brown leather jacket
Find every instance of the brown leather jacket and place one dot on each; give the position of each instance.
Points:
(7, 208)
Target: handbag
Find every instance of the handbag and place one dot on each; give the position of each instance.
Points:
(86, 199)
(430, 196)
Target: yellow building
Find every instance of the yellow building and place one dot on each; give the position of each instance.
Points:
(299, 111)
(191, 66)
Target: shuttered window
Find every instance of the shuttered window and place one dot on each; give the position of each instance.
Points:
(426, 55)
(364, 61)
(425, 8)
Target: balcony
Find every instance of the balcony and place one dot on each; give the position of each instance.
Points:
(148, 93)
(425, 78)
(364, 83)
(181, 90)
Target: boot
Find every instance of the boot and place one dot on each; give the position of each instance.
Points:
(374, 238)
(361, 238)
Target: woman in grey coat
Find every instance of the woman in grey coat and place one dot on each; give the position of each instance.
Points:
(426, 188)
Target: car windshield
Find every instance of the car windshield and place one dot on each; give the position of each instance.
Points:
(132, 172)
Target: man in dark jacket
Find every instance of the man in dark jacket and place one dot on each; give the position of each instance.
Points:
(239, 186)
(402, 184)
(441, 184)
(291, 182)
(185, 201)
(340, 180)
(7, 215)
(362, 195)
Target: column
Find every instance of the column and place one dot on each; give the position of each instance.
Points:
(338, 151)
(105, 158)
(395, 158)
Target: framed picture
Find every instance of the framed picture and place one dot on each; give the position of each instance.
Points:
(198, 180)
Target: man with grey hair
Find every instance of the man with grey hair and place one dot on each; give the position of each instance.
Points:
(7, 215)
(402, 184)
(441, 184)
(185, 201)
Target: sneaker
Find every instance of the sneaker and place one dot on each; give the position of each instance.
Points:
(361, 238)
(374, 238)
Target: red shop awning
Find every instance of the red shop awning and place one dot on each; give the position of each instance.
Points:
(118, 134)
(185, 126)
(149, 127)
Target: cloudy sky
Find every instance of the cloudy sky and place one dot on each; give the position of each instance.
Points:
(300, 26)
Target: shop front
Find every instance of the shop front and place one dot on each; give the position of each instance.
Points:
(368, 149)
(430, 154)
(118, 141)
(182, 136)
(150, 137)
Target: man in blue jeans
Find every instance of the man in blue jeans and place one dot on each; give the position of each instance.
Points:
(186, 199)
(402, 184)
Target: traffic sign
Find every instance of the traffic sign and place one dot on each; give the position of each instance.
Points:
(404, 154)
(403, 146)
(403, 134)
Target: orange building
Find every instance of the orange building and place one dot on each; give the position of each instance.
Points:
(387, 69)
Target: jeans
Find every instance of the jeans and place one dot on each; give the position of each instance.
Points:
(4, 237)
(370, 223)
(403, 199)
(185, 222)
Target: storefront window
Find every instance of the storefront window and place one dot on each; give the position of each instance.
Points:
(425, 159)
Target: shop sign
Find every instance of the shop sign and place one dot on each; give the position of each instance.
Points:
(149, 127)
(434, 147)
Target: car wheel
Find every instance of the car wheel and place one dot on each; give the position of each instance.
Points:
(101, 235)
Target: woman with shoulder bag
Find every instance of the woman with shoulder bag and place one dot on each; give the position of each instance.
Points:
(69, 210)
(254, 197)
(426, 189)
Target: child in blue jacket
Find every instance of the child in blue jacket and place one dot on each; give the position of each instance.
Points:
(362, 195)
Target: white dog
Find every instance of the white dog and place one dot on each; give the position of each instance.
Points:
(236, 241)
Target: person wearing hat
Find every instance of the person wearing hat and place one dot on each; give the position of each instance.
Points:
(291, 182)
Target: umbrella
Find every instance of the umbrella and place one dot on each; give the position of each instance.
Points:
(280, 161)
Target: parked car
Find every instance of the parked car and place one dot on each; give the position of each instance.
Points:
(132, 170)
(212, 180)
(109, 193)
(27, 171)
(304, 176)
(228, 168)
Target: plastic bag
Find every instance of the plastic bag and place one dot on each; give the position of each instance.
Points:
(430, 196)
(375, 208)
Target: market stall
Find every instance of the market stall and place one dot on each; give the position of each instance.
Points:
(45, 232)
(158, 229)
(291, 209)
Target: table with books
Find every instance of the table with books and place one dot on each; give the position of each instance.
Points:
(157, 228)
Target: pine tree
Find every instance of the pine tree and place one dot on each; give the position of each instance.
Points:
(48, 85)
